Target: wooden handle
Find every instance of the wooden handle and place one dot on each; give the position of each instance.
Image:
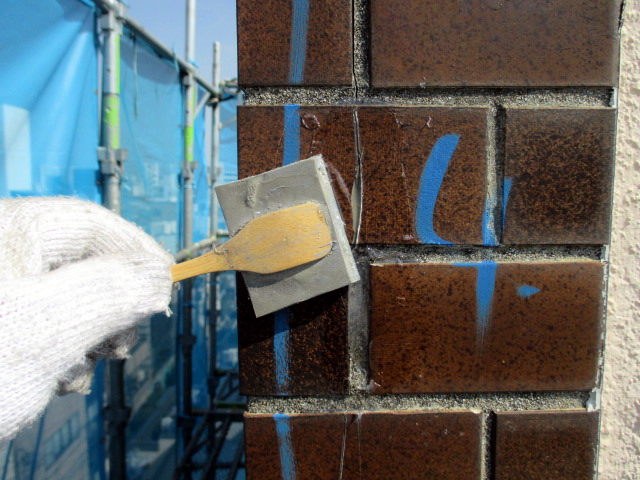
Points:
(271, 243)
(213, 261)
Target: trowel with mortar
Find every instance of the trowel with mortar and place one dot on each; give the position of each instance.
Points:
(288, 237)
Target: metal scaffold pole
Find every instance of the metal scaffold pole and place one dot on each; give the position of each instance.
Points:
(213, 228)
(187, 339)
(111, 158)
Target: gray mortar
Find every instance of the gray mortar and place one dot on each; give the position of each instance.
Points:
(494, 179)
(461, 97)
(379, 254)
(359, 327)
(298, 95)
(361, 36)
(365, 402)
(486, 444)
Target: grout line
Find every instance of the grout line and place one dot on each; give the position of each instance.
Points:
(360, 13)
(589, 97)
(499, 138)
(358, 328)
(490, 446)
(364, 401)
(379, 254)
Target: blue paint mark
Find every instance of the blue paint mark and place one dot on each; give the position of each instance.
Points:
(298, 46)
(485, 287)
(281, 349)
(526, 291)
(430, 183)
(506, 190)
(287, 459)
(291, 152)
(290, 155)
(488, 227)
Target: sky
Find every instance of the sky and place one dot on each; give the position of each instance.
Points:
(215, 21)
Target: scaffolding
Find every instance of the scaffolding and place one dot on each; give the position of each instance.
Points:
(202, 432)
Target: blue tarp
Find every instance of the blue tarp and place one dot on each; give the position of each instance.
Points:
(48, 103)
(49, 133)
(151, 122)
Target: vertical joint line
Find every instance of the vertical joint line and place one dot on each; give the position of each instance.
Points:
(503, 184)
(354, 29)
(490, 234)
(490, 448)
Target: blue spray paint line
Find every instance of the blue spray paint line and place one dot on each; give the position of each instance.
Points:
(430, 183)
(291, 152)
(506, 190)
(488, 225)
(287, 459)
(298, 45)
(290, 155)
(526, 291)
(485, 287)
(281, 349)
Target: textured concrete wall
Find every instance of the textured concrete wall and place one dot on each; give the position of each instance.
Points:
(620, 440)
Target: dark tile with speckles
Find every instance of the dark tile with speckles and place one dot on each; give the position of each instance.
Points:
(485, 327)
(302, 350)
(371, 445)
(269, 137)
(424, 175)
(494, 43)
(543, 445)
(294, 42)
(419, 173)
(558, 175)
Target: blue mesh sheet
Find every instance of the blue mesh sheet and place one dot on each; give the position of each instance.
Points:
(48, 140)
(48, 106)
(201, 222)
(227, 332)
(151, 132)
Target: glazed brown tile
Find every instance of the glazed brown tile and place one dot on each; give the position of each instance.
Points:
(294, 42)
(302, 350)
(423, 173)
(423, 169)
(480, 327)
(494, 43)
(294, 446)
(558, 175)
(399, 445)
(269, 137)
(546, 444)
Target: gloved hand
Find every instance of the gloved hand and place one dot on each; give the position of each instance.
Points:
(74, 280)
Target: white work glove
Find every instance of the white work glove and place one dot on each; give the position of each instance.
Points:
(74, 280)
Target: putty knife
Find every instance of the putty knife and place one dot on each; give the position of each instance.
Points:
(300, 182)
(312, 270)
(271, 243)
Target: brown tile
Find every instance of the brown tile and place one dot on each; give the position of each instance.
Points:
(294, 446)
(494, 43)
(300, 351)
(398, 445)
(294, 42)
(485, 327)
(558, 445)
(397, 147)
(424, 174)
(558, 175)
(268, 137)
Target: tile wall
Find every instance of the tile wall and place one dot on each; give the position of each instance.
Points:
(471, 148)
